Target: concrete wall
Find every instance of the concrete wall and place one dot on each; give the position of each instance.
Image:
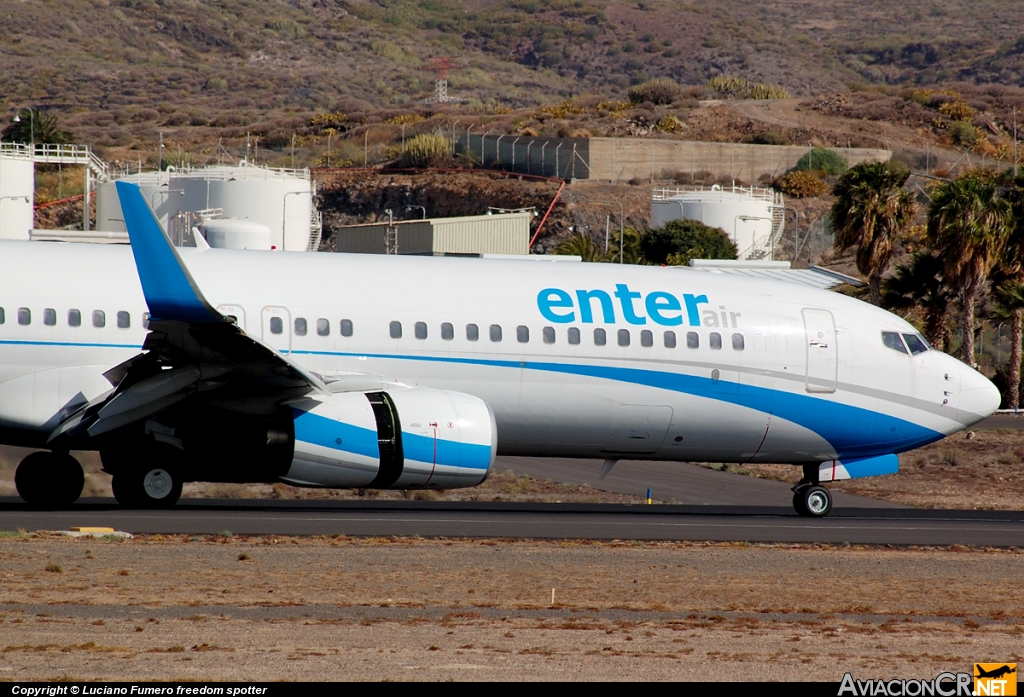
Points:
(507, 233)
(622, 159)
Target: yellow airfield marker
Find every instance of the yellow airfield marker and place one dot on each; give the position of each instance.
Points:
(88, 529)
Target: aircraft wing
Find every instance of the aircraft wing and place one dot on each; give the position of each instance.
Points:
(192, 352)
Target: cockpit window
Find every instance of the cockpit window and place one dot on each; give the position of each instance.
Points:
(915, 343)
(893, 341)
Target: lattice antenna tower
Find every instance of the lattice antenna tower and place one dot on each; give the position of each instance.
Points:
(441, 66)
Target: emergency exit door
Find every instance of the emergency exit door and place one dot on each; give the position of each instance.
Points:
(822, 350)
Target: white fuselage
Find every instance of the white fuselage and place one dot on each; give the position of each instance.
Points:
(799, 375)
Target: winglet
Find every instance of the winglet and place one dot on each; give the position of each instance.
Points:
(169, 289)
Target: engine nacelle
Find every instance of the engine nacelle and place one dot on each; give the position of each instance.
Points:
(413, 438)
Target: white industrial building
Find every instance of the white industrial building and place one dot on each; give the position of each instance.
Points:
(471, 235)
(17, 191)
(752, 216)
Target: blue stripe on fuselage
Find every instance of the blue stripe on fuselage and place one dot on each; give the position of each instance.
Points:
(853, 432)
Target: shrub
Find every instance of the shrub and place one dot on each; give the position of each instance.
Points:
(801, 184)
(678, 241)
(728, 85)
(957, 110)
(770, 138)
(426, 150)
(964, 133)
(659, 91)
(668, 124)
(822, 160)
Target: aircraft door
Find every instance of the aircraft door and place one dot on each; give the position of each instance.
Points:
(235, 311)
(277, 328)
(822, 350)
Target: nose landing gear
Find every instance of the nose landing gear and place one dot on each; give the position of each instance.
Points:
(811, 499)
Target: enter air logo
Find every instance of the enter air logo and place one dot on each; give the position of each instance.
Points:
(669, 310)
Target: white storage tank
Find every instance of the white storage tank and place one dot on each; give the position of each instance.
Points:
(17, 192)
(154, 186)
(753, 217)
(228, 233)
(279, 199)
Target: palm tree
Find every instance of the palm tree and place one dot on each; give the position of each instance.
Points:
(1010, 306)
(919, 285)
(968, 224)
(582, 245)
(870, 212)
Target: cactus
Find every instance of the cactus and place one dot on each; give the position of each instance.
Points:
(765, 91)
(659, 91)
(426, 150)
(729, 85)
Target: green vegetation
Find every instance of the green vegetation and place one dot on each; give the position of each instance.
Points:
(801, 184)
(678, 241)
(828, 162)
(426, 150)
(661, 91)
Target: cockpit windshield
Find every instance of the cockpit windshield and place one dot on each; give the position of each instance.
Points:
(915, 342)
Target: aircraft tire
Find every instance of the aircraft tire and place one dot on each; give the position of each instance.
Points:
(49, 480)
(155, 486)
(816, 501)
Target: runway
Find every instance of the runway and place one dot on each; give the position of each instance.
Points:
(534, 521)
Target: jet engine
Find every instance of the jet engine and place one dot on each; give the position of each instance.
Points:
(413, 438)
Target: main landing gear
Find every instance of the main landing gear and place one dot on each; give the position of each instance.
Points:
(810, 498)
(49, 480)
(149, 477)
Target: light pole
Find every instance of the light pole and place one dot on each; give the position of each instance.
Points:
(483, 145)
(160, 154)
(453, 136)
(31, 125)
(284, 209)
(622, 225)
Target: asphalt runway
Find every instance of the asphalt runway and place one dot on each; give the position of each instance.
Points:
(533, 521)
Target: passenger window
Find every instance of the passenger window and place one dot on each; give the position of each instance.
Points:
(715, 340)
(670, 339)
(495, 332)
(522, 334)
(420, 330)
(276, 325)
(74, 318)
(49, 317)
(893, 341)
(300, 326)
(472, 332)
(600, 338)
(24, 316)
(447, 331)
(574, 336)
(99, 319)
(647, 338)
(549, 335)
(623, 337)
(692, 340)
(346, 327)
(323, 327)
(915, 343)
(3, 317)
(737, 342)
(124, 320)
(396, 330)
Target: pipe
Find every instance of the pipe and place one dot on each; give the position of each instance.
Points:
(547, 213)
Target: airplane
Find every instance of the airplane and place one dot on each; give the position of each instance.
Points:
(344, 370)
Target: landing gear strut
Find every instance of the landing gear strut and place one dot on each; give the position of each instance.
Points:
(810, 499)
(49, 480)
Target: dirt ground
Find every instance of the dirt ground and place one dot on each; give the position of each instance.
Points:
(228, 608)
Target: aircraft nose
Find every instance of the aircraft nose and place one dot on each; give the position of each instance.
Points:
(978, 396)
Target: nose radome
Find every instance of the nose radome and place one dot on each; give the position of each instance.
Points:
(978, 396)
